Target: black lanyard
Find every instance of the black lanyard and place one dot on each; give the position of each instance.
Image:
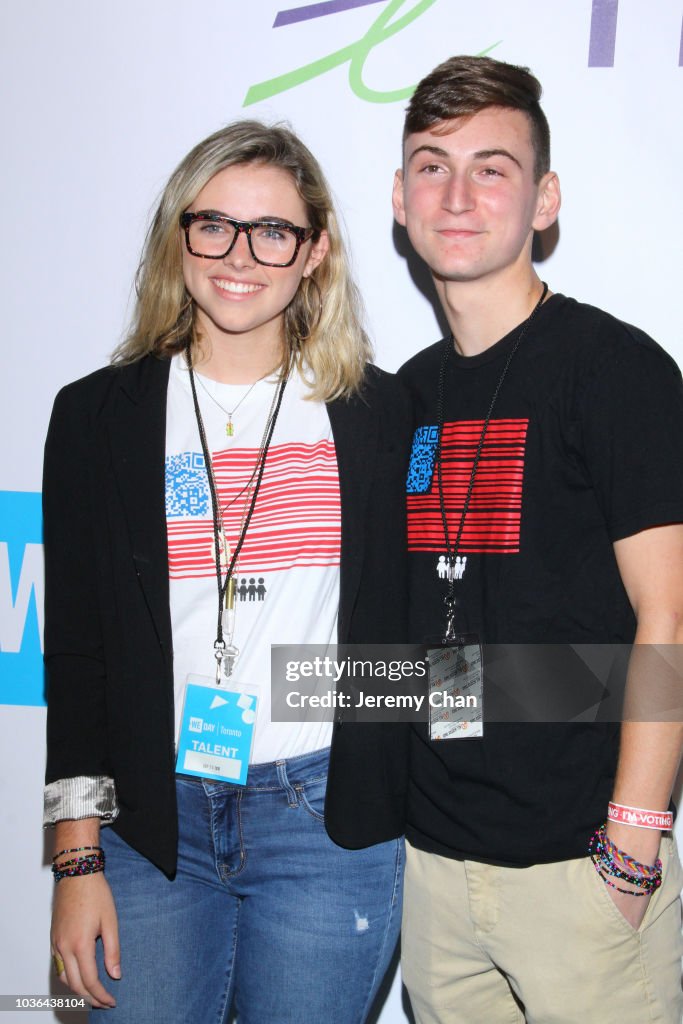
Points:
(219, 645)
(451, 552)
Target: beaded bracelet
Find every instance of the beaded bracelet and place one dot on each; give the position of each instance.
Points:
(90, 859)
(627, 892)
(628, 864)
(89, 865)
(608, 850)
(611, 862)
(606, 868)
(74, 849)
(82, 857)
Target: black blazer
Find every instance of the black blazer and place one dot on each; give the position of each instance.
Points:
(108, 643)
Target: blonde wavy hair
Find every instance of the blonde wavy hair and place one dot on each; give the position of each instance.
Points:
(323, 322)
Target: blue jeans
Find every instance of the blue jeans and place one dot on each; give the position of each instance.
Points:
(265, 915)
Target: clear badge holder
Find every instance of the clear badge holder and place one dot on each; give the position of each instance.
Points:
(455, 683)
(217, 730)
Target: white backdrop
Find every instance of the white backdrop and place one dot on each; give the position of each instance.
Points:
(101, 100)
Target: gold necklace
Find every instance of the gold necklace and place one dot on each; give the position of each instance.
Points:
(229, 426)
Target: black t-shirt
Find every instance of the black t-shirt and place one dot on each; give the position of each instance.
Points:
(585, 447)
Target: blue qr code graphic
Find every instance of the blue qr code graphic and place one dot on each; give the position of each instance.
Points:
(421, 468)
(187, 485)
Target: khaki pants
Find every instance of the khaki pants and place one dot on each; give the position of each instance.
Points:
(545, 945)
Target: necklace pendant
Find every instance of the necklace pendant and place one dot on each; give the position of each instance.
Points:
(224, 550)
(229, 429)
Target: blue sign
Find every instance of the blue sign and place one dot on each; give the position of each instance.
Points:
(21, 599)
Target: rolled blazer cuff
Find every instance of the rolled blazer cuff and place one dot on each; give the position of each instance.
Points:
(85, 796)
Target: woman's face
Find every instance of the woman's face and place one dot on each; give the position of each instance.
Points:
(236, 298)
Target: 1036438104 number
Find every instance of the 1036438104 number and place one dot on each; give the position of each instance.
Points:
(42, 1002)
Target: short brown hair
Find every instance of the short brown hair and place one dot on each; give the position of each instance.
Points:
(463, 86)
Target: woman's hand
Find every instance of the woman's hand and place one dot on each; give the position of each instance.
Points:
(83, 911)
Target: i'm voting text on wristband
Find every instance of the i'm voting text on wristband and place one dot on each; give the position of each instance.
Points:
(639, 817)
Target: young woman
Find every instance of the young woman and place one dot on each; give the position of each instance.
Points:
(234, 480)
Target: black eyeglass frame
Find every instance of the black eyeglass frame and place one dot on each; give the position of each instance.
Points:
(187, 219)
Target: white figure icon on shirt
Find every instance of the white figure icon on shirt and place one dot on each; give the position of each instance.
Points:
(454, 571)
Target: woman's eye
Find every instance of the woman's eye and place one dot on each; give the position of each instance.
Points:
(272, 233)
(211, 228)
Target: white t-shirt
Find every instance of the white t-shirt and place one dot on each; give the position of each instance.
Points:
(288, 568)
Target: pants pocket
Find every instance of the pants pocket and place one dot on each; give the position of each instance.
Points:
(312, 798)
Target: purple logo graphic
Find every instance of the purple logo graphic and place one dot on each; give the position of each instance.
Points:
(604, 17)
(321, 10)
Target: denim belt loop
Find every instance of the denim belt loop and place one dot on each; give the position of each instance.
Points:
(292, 797)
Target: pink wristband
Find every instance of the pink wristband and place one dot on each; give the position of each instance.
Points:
(663, 820)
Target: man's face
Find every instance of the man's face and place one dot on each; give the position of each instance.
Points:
(468, 198)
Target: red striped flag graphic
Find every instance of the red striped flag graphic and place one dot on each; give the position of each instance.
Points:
(493, 518)
(296, 522)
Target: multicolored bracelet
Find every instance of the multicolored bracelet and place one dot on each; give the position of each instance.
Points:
(87, 865)
(611, 862)
(74, 849)
(90, 859)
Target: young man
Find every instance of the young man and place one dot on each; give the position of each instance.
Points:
(547, 482)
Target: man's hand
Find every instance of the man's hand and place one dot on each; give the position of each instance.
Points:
(651, 568)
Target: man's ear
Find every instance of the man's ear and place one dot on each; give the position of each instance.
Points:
(397, 198)
(319, 251)
(548, 203)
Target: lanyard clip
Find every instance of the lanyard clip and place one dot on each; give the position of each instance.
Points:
(450, 603)
(218, 653)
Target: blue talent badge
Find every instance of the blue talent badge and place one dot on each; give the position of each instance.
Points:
(216, 732)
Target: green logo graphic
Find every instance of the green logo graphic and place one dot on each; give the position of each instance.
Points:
(355, 54)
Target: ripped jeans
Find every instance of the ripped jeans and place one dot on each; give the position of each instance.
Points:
(266, 915)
